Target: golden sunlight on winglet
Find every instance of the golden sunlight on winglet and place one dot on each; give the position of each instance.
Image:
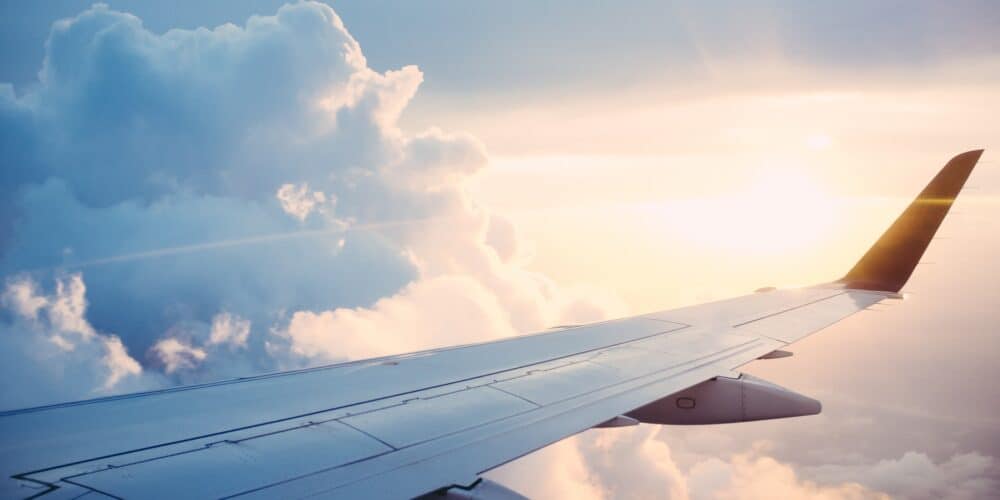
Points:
(889, 263)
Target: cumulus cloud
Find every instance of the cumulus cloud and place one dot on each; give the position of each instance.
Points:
(229, 329)
(915, 475)
(298, 201)
(118, 363)
(23, 298)
(428, 313)
(557, 471)
(638, 463)
(176, 355)
(753, 474)
(193, 351)
(52, 353)
(633, 464)
(190, 179)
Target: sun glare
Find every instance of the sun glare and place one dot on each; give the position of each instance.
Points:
(819, 141)
(779, 211)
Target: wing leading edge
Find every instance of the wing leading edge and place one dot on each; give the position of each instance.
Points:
(407, 425)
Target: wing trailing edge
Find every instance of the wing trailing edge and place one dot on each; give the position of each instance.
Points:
(889, 263)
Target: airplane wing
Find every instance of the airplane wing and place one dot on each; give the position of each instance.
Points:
(434, 421)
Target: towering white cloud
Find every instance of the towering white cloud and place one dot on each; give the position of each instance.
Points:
(241, 198)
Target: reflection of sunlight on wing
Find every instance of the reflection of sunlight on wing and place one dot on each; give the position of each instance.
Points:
(780, 211)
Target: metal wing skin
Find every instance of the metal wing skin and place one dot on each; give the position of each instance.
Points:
(433, 421)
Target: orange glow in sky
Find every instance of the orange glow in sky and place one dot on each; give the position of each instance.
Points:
(780, 210)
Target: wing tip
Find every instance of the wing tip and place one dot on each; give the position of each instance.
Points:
(889, 263)
(965, 161)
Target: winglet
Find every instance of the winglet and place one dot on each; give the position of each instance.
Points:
(890, 262)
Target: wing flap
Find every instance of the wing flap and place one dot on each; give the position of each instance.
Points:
(229, 467)
(431, 418)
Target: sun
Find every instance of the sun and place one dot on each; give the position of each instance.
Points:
(780, 210)
(819, 141)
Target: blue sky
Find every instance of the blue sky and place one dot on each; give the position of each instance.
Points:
(525, 47)
(181, 206)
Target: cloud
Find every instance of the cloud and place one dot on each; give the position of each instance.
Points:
(118, 363)
(916, 476)
(557, 471)
(433, 312)
(229, 329)
(637, 463)
(298, 201)
(23, 298)
(51, 353)
(241, 199)
(633, 464)
(176, 355)
(751, 476)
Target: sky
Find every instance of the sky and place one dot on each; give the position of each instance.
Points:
(190, 193)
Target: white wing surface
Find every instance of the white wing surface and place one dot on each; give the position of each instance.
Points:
(404, 426)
